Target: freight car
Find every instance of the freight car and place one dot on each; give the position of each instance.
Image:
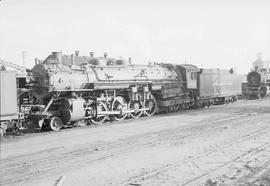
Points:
(258, 84)
(70, 88)
(10, 117)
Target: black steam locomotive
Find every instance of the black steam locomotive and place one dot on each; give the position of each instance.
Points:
(70, 88)
(258, 83)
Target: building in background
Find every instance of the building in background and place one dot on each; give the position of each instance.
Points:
(260, 64)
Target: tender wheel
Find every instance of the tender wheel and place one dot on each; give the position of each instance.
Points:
(120, 104)
(55, 124)
(263, 92)
(177, 107)
(170, 109)
(200, 104)
(2, 132)
(99, 119)
(186, 106)
(135, 105)
(180, 108)
(152, 105)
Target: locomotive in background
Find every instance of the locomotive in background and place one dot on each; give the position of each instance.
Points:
(70, 88)
(258, 80)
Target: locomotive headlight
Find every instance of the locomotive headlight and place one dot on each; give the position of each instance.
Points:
(27, 79)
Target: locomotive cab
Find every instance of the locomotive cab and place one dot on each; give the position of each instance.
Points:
(191, 80)
(189, 75)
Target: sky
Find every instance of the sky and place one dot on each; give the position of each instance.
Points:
(209, 34)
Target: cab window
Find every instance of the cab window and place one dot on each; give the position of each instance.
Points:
(193, 76)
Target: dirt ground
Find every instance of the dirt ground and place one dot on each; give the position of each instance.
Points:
(220, 145)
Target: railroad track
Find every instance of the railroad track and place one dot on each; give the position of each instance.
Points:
(165, 132)
(78, 155)
(80, 150)
(140, 179)
(207, 174)
(260, 173)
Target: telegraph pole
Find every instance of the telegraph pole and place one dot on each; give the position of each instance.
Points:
(23, 57)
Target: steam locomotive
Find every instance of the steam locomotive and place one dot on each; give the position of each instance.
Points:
(258, 84)
(70, 88)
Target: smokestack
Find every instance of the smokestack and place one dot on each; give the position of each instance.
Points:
(105, 55)
(129, 60)
(36, 61)
(77, 53)
(259, 56)
(91, 54)
(72, 59)
(57, 56)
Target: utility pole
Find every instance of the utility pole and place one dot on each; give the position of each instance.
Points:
(23, 57)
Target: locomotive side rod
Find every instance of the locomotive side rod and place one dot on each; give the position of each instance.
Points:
(119, 112)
